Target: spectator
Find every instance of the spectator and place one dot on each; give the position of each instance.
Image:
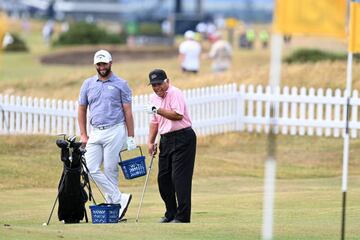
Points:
(264, 38)
(250, 37)
(189, 53)
(220, 53)
(48, 31)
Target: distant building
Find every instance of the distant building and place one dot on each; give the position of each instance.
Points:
(246, 10)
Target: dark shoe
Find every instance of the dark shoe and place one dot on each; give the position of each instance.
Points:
(176, 221)
(165, 220)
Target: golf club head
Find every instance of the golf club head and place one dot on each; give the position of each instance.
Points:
(71, 139)
(61, 143)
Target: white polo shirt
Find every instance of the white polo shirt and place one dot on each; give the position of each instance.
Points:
(191, 50)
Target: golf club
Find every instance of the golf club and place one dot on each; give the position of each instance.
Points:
(146, 180)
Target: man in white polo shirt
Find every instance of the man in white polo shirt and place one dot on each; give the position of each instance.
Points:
(108, 98)
(189, 53)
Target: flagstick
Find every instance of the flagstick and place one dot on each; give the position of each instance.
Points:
(346, 143)
(270, 163)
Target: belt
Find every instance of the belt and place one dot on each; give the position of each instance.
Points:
(104, 127)
(169, 134)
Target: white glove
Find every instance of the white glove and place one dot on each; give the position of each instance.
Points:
(131, 144)
(150, 109)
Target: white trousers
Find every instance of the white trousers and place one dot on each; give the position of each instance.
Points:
(103, 147)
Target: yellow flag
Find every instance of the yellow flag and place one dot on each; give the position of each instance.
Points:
(326, 18)
(354, 29)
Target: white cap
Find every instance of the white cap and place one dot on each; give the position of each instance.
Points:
(102, 56)
(189, 34)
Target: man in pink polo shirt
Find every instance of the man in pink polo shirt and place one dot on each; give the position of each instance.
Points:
(170, 118)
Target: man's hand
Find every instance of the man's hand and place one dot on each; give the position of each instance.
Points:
(130, 142)
(150, 109)
(152, 148)
(84, 139)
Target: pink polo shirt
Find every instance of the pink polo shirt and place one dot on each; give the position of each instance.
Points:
(173, 100)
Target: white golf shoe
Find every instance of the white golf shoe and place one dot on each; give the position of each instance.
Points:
(124, 202)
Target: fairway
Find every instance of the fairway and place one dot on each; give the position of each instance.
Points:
(223, 208)
(227, 192)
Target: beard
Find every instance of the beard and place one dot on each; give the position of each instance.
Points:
(104, 73)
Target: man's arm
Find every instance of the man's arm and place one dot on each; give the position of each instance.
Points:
(82, 113)
(129, 120)
(169, 114)
(153, 130)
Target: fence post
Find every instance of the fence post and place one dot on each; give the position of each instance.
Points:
(59, 121)
(240, 108)
(354, 113)
(12, 114)
(277, 93)
(311, 116)
(337, 113)
(285, 112)
(319, 113)
(48, 117)
(293, 110)
(23, 115)
(41, 116)
(268, 103)
(302, 116)
(18, 114)
(53, 116)
(30, 116)
(250, 109)
(36, 116)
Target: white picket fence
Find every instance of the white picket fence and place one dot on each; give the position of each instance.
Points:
(214, 110)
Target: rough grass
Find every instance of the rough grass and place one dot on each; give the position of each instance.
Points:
(227, 155)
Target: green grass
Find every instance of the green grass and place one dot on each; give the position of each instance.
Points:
(227, 192)
(223, 208)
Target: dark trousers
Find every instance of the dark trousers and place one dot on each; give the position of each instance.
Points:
(189, 71)
(176, 167)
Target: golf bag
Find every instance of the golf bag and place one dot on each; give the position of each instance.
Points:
(71, 190)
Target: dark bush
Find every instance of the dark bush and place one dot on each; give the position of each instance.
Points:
(356, 57)
(314, 55)
(87, 33)
(18, 45)
(150, 29)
